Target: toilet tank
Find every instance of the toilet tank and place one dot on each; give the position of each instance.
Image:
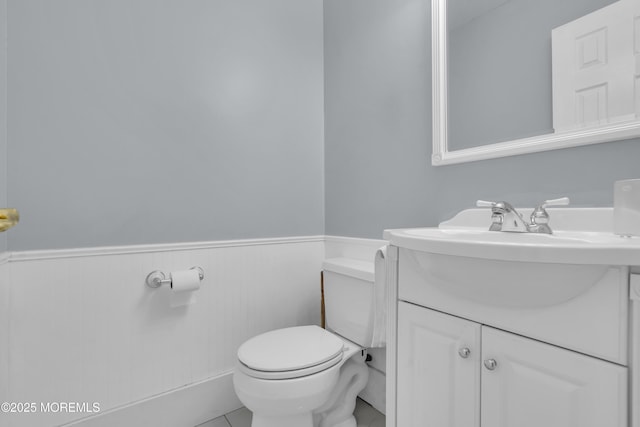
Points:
(348, 298)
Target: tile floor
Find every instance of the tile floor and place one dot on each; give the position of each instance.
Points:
(365, 414)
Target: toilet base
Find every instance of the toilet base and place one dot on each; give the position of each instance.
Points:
(302, 420)
(298, 420)
(338, 410)
(349, 422)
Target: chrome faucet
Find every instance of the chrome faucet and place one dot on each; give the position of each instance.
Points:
(505, 217)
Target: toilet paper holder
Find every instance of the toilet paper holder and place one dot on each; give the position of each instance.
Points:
(157, 278)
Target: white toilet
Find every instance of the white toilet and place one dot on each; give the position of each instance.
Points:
(307, 376)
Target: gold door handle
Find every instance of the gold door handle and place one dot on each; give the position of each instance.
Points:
(9, 217)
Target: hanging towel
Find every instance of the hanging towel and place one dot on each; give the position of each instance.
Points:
(379, 338)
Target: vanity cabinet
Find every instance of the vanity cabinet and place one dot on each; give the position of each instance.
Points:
(459, 373)
(497, 329)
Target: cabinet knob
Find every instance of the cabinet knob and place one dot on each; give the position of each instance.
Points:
(464, 352)
(490, 364)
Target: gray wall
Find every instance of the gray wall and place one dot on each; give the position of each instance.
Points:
(152, 121)
(378, 134)
(3, 115)
(147, 122)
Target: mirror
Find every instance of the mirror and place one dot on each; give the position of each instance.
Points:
(518, 76)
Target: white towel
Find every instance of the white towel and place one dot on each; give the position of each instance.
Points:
(379, 338)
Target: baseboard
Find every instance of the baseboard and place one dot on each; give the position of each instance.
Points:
(187, 406)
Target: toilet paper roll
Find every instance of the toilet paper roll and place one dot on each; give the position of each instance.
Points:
(183, 285)
(626, 207)
(185, 280)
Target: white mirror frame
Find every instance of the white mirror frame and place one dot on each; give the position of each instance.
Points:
(553, 141)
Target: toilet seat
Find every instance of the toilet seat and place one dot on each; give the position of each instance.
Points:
(290, 353)
(288, 375)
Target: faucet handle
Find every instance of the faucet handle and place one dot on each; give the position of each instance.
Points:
(485, 204)
(496, 207)
(562, 201)
(540, 217)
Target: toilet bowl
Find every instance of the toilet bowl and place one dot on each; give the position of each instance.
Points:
(306, 376)
(285, 385)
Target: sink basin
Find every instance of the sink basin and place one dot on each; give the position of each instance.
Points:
(518, 270)
(502, 283)
(597, 245)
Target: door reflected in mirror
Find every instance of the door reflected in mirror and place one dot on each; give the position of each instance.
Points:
(594, 61)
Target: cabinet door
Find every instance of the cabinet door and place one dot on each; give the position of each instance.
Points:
(438, 384)
(535, 384)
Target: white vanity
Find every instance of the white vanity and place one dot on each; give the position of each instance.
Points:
(500, 329)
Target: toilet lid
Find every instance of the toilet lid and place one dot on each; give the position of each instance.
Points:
(290, 349)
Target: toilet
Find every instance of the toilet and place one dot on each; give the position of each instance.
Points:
(306, 376)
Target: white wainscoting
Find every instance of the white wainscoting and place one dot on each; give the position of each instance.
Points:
(4, 330)
(81, 326)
